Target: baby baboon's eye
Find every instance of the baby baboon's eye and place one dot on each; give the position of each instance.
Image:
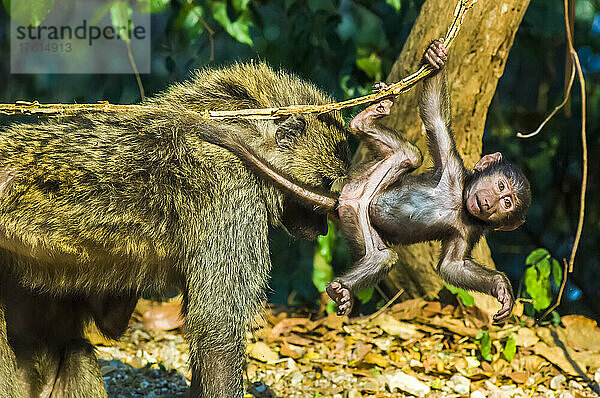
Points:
(507, 203)
(501, 185)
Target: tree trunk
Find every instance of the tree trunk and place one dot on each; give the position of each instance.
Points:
(476, 62)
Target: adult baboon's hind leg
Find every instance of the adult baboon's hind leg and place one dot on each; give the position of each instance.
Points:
(8, 364)
(79, 374)
(45, 334)
(217, 309)
(48, 371)
(223, 293)
(217, 358)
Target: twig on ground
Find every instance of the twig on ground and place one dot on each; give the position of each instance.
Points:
(382, 309)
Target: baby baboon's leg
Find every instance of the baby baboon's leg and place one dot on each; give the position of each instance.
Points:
(382, 140)
(399, 157)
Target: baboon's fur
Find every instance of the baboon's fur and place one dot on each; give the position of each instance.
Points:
(119, 205)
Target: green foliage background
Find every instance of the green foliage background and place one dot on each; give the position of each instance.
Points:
(346, 45)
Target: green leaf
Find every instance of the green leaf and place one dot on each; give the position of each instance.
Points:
(32, 12)
(395, 4)
(189, 21)
(325, 242)
(120, 15)
(463, 295)
(239, 29)
(538, 288)
(585, 10)
(240, 5)
(536, 256)
(322, 272)
(510, 348)
(371, 65)
(365, 295)
(555, 318)
(157, 6)
(219, 12)
(100, 13)
(150, 6)
(331, 307)
(485, 345)
(544, 268)
(556, 272)
(537, 277)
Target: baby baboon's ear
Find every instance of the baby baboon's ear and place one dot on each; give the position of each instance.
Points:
(487, 160)
(289, 130)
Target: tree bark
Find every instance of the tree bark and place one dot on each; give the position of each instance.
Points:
(476, 62)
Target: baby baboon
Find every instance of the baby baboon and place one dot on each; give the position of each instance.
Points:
(448, 203)
(384, 203)
(99, 209)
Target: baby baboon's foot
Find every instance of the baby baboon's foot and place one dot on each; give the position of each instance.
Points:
(342, 297)
(383, 108)
(374, 111)
(436, 54)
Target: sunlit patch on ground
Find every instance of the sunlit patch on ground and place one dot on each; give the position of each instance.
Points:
(414, 348)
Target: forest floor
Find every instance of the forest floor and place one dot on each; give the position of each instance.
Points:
(415, 348)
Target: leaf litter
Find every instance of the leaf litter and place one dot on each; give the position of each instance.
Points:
(414, 348)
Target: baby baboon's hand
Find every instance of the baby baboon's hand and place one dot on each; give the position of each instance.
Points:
(503, 293)
(436, 54)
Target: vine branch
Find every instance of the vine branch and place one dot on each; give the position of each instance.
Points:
(575, 64)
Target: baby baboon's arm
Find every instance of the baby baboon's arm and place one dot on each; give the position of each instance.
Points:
(458, 269)
(434, 109)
